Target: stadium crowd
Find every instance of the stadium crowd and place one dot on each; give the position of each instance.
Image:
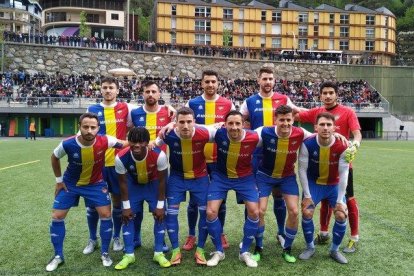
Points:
(180, 89)
(199, 50)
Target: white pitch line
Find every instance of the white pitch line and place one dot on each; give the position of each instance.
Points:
(18, 165)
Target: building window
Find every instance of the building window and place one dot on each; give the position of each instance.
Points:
(303, 30)
(344, 19)
(202, 39)
(263, 15)
(241, 14)
(228, 26)
(202, 11)
(303, 43)
(386, 46)
(343, 45)
(331, 31)
(303, 17)
(331, 18)
(315, 30)
(202, 25)
(241, 40)
(55, 17)
(316, 18)
(369, 45)
(370, 32)
(173, 9)
(228, 13)
(276, 43)
(276, 29)
(276, 16)
(114, 16)
(173, 23)
(344, 31)
(173, 38)
(386, 21)
(370, 20)
(1, 13)
(262, 41)
(331, 44)
(315, 44)
(93, 18)
(241, 27)
(263, 28)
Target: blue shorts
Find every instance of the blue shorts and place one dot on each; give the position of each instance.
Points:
(245, 188)
(137, 194)
(95, 195)
(177, 187)
(320, 192)
(257, 159)
(288, 185)
(111, 177)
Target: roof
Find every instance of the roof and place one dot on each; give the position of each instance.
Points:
(384, 10)
(329, 8)
(357, 8)
(222, 3)
(288, 4)
(257, 4)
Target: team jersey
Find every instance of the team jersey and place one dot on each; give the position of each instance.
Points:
(323, 161)
(346, 120)
(234, 158)
(281, 153)
(85, 163)
(141, 172)
(114, 120)
(153, 121)
(187, 155)
(261, 111)
(208, 112)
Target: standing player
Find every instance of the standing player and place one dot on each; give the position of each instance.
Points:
(83, 177)
(142, 176)
(323, 173)
(346, 122)
(209, 108)
(153, 117)
(235, 147)
(188, 172)
(259, 110)
(114, 119)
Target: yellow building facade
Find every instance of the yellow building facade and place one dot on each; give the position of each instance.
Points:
(355, 30)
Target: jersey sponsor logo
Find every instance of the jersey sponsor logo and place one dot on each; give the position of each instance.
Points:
(261, 109)
(119, 120)
(210, 116)
(280, 151)
(317, 161)
(236, 154)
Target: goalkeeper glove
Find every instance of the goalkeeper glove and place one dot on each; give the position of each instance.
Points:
(351, 151)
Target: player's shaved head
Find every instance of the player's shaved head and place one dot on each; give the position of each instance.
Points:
(89, 115)
(139, 135)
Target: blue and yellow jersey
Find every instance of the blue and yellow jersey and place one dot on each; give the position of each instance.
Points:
(234, 158)
(323, 162)
(153, 121)
(208, 112)
(280, 153)
(114, 121)
(141, 172)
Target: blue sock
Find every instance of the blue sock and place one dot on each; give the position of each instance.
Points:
(137, 227)
(106, 233)
(249, 231)
(159, 232)
(92, 218)
(259, 236)
(222, 213)
(57, 235)
(308, 231)
(202, 227)
(128, 234)
(338, 234)
(214, 229)
(172, 225)
(279, 208)
(192, 217)
(290, 235)
(117, 219)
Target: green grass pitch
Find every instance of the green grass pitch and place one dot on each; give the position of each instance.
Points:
(384, 187)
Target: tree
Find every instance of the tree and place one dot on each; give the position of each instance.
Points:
(84, 30)
(406, 23)
(227, 35)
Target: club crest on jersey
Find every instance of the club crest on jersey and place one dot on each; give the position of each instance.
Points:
(131, 167)
(75, 155)
(200, 107)
(99, 113)
(176, 144)
(315, 153)
(224, 143)
(141, 119)
(272, 141)
(257, 101)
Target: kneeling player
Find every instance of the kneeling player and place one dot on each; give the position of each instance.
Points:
(142, 176)
(323, 173)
